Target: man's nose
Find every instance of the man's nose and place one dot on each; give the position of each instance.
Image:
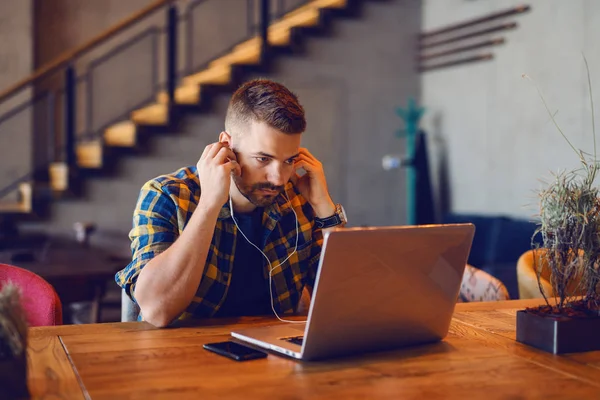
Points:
(276, 176)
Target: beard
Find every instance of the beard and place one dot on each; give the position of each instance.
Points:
(253, 192)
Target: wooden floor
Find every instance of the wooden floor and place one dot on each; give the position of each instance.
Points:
(479, 359)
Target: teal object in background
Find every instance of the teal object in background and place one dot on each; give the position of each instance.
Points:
(411, 116)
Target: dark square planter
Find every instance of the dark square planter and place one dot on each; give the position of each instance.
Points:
(13, 379)
(558, 334)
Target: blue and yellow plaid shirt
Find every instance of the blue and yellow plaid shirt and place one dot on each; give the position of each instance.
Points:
(164, 207)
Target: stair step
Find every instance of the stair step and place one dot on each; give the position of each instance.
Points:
(24, 205)
(218, 75)
(330, 3)
(26, 190)
(122, 134)
(186, 95)
(246, 55)
(279, 32)
(219, 71)
(59, 176)
(317, 4)
(280, 37)
(12, 208)
(89, 154)
(306, 17)
(154, 114)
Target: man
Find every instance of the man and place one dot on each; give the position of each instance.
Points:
(195, 257)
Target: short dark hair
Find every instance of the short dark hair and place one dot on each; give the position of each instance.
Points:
(265, 101)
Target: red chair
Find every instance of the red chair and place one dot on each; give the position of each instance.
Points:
(39, 299)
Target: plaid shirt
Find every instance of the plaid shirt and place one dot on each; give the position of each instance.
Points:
(164, 207)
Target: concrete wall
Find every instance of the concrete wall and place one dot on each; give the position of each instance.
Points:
(350, 84)
(63, 25)
(16, 44)
(489, 123)
(15, 41)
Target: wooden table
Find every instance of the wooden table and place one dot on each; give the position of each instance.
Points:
(479, 359)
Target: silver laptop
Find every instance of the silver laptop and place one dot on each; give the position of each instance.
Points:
(376, 289)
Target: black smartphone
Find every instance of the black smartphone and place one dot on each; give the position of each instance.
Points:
(235, 351)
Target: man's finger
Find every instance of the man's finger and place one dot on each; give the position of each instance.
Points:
(212, 153)
(312, 162)
(224, 155)
(206, 151)
(307, 167)
(304, 151)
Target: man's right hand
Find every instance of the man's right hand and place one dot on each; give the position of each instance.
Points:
(215, 166)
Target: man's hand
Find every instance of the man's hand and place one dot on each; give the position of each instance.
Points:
(170, 280)
(313, 185)
(215, 166)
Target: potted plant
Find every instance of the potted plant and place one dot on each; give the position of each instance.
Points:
(569, 253)
(13, 345)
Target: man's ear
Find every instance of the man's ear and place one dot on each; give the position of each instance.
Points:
(225, 137)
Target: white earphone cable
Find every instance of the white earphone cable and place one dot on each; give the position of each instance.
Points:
(271, 268)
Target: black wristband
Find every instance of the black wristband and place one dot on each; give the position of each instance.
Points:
(328, 222)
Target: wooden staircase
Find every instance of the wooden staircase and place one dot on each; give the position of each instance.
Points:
(24, 204)
(192, 94)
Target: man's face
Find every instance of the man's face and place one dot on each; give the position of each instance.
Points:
(266, 156)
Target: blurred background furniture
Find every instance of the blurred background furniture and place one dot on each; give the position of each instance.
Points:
(498, 243)
(79, 273)
(40, 301)
(478, 285)
(527, 267)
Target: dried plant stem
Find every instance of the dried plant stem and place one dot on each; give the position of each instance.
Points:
(551, 115)
(587, 69)
(13, 326)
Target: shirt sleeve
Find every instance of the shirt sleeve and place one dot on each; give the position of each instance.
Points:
(154, 230)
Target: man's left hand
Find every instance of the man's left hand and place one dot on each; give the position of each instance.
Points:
(313, 185)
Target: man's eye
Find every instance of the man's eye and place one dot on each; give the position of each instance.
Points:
(291, 161)
(262, 159)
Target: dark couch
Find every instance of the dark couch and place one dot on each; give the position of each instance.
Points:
(498, 243)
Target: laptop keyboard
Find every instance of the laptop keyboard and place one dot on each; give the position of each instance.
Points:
(295, 339)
